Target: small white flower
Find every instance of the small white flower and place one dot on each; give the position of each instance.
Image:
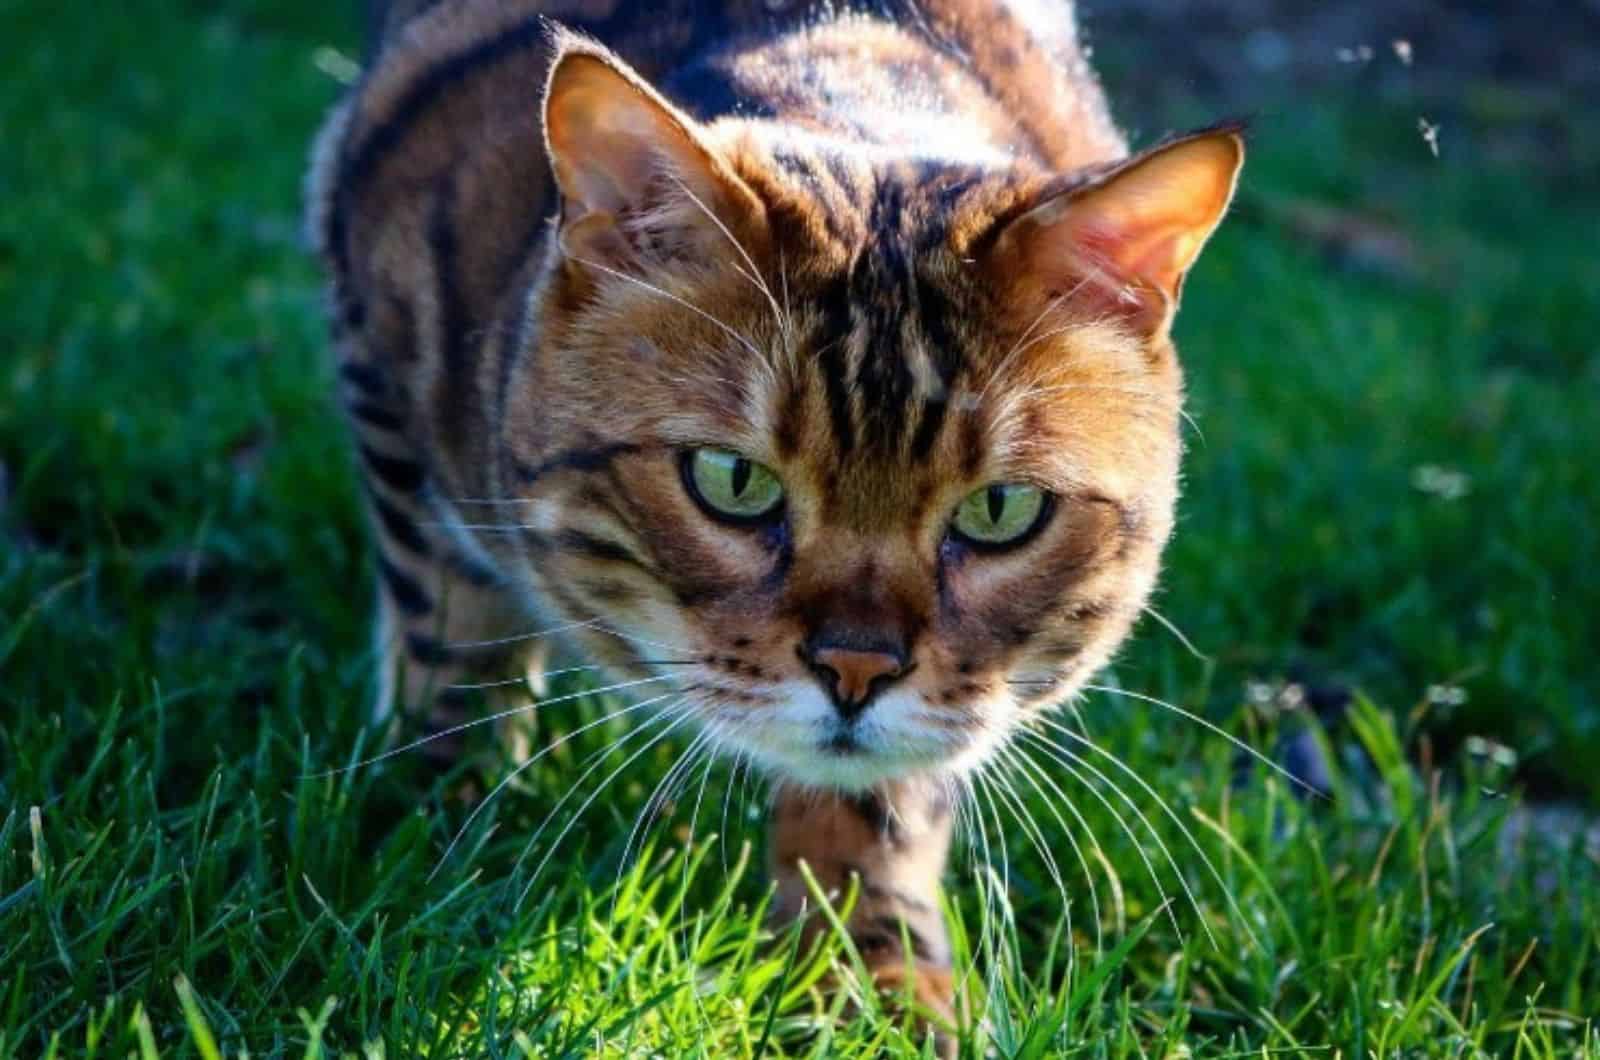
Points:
(1442, 482)
(1430, 134)
(1496, 752)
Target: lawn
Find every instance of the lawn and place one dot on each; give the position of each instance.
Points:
(1382, 577)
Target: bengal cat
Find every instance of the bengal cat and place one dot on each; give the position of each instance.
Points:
(808, 369)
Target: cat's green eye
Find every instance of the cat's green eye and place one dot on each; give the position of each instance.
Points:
(732, 487)
(1000, 514)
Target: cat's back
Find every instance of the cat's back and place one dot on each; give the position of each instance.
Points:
(1021, 49)
(451, 77)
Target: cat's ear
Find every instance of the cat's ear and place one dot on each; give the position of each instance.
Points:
(636, 175)
(1120, 246)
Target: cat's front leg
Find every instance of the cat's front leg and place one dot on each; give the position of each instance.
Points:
(893, 840)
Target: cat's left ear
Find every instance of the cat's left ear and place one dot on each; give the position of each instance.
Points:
(638, 178)
(1121, 245)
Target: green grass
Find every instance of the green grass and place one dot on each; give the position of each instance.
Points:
(183, 648)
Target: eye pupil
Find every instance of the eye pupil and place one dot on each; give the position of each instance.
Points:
(1000, 514)
(997, 502)
(730, 487)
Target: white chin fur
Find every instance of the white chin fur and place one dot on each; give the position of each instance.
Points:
(893, 742)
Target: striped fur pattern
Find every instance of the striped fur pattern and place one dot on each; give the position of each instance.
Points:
(895, 255)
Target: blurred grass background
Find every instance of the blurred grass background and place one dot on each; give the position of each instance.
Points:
(1391, 498)
(1393, 358)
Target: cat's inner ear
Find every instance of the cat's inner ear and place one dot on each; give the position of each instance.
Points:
(638, 181)
(1121, 245)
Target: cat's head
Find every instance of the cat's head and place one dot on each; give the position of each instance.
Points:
(872, 455)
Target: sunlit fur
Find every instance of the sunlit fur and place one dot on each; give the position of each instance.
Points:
(893, 262)
(1017, 381)
(854, 315)
(1084, 412)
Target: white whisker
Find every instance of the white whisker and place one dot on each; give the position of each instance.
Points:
(1176, 632)
(523, 766)
(783, 281)
(486, 719)
(1215, 729)
(590, 765)
(1165, 808)
(1005, 923)
(659, 797)
(1030, 829)
(754, 275)
(636, 639)
(485, 528)
(727, 796)
(978, 855)
(596, 623)
(577, 814)
(1027, 762)
(496, 642)
(669, 296)
(689, 859)
(1017, 347)
(1154, 397)
(1065, 759)
(523, 680)
(710, 757)
(991, 935)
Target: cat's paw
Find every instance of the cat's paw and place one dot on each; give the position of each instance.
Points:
(929, 991)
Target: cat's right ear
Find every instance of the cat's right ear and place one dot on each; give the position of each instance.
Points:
(1120, 245)
(638, 181)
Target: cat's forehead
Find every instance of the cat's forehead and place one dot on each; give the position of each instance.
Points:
(907, 369)
(905, 325)
(891, 321)
(840, 203)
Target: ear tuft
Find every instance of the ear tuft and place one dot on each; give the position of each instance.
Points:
(632, 169)
(1126, 240)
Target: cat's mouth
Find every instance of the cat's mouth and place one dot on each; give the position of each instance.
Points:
(842, 741)
(804, 740)
(845, 761)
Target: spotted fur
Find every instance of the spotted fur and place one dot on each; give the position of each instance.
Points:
(893, 254)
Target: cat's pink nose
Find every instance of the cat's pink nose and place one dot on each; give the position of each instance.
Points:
(853, 676)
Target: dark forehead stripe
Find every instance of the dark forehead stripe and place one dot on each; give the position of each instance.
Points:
(834, 364)
(880, 295)
(886, 311)
(935, 314)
